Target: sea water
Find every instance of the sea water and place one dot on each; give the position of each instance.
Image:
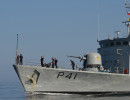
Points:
(15, 91)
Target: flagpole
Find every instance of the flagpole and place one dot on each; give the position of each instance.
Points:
(17, 48)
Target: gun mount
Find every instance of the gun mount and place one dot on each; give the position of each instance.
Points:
(90, 60)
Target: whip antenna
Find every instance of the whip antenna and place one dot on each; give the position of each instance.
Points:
(17, 48)
(98, 20)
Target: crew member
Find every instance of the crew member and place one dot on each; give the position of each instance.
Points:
(42, 59)
(56, 62)
(17, 60)
(21, 59)
(85, 61)
(72, 64)
(53, 62)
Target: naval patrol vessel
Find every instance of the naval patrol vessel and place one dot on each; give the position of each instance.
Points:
(102, 72)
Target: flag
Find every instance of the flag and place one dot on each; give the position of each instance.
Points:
(128, 13)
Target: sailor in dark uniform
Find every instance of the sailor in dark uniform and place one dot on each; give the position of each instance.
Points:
(72, 64)
(42, 59)
(56, 62)
(21, 59)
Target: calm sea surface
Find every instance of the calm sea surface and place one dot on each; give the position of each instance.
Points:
(14, 91)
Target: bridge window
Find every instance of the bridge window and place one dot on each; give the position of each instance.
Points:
(118, 43)
(125, 43)
(112, 44)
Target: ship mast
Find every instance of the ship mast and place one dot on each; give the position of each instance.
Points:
(127, 23)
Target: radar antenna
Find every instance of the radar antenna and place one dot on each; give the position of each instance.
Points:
(127, 23)
(126, 4)
(117, 33)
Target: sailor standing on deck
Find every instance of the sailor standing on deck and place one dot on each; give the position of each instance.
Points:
(17, 60)
(56, 62)
(72, 64)
(53, 62)
(42, 59)
(21, 59)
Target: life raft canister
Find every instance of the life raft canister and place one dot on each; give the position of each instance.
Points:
(126, 71)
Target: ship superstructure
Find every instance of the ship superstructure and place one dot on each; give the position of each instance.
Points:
(116, 52)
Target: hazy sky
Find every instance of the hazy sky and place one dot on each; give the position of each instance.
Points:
(55, 28)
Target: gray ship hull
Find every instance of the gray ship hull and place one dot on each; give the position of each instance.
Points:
(40, 79)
